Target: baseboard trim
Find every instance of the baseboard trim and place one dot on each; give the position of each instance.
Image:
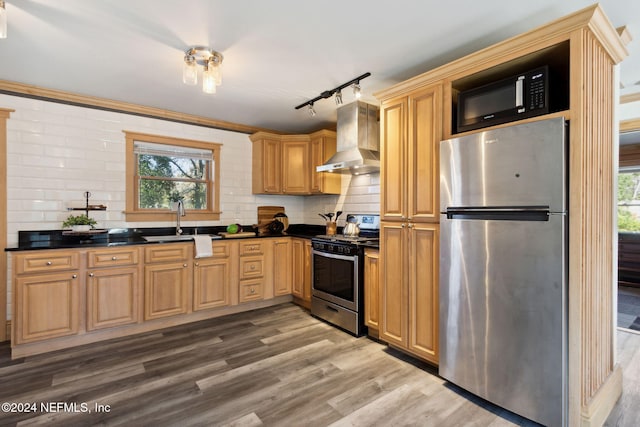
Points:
(595, 413)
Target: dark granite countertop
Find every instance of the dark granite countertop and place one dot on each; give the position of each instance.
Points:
(55, 239)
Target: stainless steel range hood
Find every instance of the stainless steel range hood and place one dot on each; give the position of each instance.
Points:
(358, 144)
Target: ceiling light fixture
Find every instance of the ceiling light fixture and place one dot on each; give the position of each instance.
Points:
(212, 63)
(337, 91)
(356, 90)
(3, 20)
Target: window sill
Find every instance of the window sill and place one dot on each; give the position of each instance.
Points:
(171, 216)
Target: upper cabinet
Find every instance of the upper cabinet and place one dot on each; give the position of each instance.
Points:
(411, 128)
(286, 164)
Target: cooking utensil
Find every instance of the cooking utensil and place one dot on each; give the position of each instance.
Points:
(330, 215)
(324, 217)
(338, 215)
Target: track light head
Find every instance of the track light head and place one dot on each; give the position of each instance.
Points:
(339, 97)
(312, 112)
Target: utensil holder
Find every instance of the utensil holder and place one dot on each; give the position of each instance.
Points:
(331, 228)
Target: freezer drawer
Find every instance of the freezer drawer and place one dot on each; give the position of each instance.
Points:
(521, 165)
(503, 312)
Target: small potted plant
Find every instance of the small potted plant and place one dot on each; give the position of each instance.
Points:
(79, 222)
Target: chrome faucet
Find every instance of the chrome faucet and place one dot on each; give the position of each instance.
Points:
(179, 213)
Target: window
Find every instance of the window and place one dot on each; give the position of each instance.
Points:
(162, 170)
(629, 200)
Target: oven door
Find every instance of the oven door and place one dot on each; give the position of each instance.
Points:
(335, 279)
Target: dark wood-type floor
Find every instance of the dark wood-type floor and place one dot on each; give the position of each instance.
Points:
(276, 366)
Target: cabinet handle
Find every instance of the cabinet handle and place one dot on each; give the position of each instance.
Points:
(253, 291)
(410, 226)
(409, 218)
(402, 225)
(113, 258)
(253, 267)
(197, 264)
(49, 263)
(184, 265)
(90, 274)
(74, 276)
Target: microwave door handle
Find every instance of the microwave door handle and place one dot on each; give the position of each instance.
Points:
(520, 92)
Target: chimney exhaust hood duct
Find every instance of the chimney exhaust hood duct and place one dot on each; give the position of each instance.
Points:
(358, 141)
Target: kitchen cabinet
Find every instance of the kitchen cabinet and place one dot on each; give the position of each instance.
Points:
(411, 129)
(252, 269)
(266, 165)
(323, 146)
(212, 278)
(409, 292)
(301, 256)
(296, 166)
(167, 280)
(372, 290)
(47, 289)
(285, 164)
(282, 266)
(113, 291)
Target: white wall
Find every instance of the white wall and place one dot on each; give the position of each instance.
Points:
(56, 152)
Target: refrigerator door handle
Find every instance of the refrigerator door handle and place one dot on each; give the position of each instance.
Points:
(525, 213)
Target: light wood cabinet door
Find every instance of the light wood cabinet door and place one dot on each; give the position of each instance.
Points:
(211, 283)
(423, 290)
(393, 173)
(47, 306)
(296, 175)
(321, 150)
(267, 167)
(393, 292)
(371, 289)
(166, 288)
(423, 158)
(411, 132)
(301, 256)
(112, 297)
(282, 266)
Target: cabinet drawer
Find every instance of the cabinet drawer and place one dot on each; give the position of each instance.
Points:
(251, 267)
(166, 253)
(110, 258)
(47, 261)
(251, 247)
(221, 250)
(251, 290)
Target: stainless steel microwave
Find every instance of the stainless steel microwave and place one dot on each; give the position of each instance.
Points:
(514, 98)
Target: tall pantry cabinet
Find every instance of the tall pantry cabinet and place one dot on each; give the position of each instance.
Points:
(582, 50)
(411, 129)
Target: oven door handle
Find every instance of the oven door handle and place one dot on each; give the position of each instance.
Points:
(334, 256)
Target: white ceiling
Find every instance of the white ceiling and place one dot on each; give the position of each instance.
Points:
(277, 53)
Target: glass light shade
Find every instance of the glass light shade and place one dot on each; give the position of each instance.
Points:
(190, 73)
(217, 69)
(209, 80)
(3, 20)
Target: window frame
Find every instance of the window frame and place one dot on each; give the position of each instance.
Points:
(134, 213)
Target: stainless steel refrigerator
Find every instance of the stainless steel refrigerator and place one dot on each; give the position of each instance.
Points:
(503, 267)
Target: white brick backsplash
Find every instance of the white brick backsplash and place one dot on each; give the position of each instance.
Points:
(56, 152)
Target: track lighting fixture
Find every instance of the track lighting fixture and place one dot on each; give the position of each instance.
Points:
(356, 90)
(210, 60)
(3, 20)
(355, 83)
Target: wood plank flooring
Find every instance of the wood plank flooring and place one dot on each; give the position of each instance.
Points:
(276, 366)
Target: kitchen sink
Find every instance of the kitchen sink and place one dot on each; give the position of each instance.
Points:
(175, 237)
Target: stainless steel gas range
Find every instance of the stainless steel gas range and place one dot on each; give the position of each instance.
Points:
(337, 268)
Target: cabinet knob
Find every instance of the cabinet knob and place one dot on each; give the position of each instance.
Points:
(402, 225)
(409, 218)
(184, 265)
(113, 258)
(410, 226)
(253, 291)
(49, 263)
(253, 267)
(74, 276)
(90, 274)
(197, 264)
